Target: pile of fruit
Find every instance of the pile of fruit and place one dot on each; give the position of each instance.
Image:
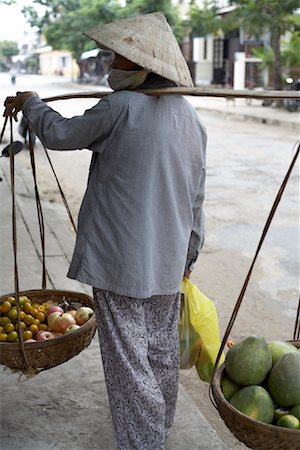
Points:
(40, 321)
(262, 380)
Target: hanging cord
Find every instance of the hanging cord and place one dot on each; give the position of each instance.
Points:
(61, 191)
(40, 215)
(243, 290)
(297, 323)
(28, 370)
(38, 207)
(3, 129)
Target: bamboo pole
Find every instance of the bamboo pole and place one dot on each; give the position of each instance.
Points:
(198, 92)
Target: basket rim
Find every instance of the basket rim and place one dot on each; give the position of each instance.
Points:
(59, 339)
(219, 398)
(47, 291)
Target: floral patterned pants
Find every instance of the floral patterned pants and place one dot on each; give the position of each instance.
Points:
(140, 354)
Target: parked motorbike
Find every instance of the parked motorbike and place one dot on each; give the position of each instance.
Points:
(292, 104)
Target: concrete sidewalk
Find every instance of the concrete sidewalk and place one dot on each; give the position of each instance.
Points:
(65, 407)
(253, 111)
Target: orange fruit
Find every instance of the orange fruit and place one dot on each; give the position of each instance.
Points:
(11, 300)
(36, 322)
(28, 319)
(5, 306)
(34, 312)
(34, 328)
(43, 308)
(23, 326)
(12, 336)
(13, 313)
(22, 314)
(3, 337)
(43, 326)
(22, 300)
(40, 316)
(9, 327)
(5, 320)
(27, 334)
(27, 307)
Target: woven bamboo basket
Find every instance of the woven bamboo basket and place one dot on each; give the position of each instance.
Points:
(47, 354)
(254, 434)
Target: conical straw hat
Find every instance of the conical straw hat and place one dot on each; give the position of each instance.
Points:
(148, 41)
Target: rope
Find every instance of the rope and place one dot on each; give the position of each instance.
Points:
(28, 369)
(38, 207)
(297, 323)
(244, 287)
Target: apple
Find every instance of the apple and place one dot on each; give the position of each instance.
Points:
(72, 311)
(53, 309)
(83, 314)
(52, 318)
(72, 328)
(56, 334)
(62, 322)
(45, 336)
(30, 340)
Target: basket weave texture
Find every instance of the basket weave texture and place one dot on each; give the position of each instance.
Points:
(50, 353)
(254, 434)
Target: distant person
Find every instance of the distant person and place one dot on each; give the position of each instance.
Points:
(13, 75)
(141, 224)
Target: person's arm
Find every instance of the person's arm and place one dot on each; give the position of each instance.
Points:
(57, 132)
(197, 235)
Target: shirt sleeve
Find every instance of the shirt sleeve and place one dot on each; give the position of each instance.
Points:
(60, 133)
(198, 232)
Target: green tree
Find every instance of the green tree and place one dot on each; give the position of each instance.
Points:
(8, 48)
(204, 20)
(134, 7)
(63, 21)
(273, 16)
(291, 55)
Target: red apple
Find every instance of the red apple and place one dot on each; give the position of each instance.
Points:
(45, 336)
(53, 309)
(72, 328)
(52, 318)
(62, 322)
(83, 314)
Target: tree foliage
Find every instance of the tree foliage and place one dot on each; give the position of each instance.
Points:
(204, 20)
(273, 16)
(134, 7)
(8, 48)
(63, 21)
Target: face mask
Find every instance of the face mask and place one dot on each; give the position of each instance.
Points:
(126, 79)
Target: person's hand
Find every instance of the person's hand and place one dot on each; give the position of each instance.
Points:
(13, 105)
(187, 274)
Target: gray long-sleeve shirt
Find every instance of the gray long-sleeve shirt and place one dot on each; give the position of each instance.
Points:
(140, 224)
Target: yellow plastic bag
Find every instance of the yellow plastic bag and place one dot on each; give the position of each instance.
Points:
(189, 339)
(204, 321)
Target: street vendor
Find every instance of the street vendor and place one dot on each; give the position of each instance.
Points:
(140, 226)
